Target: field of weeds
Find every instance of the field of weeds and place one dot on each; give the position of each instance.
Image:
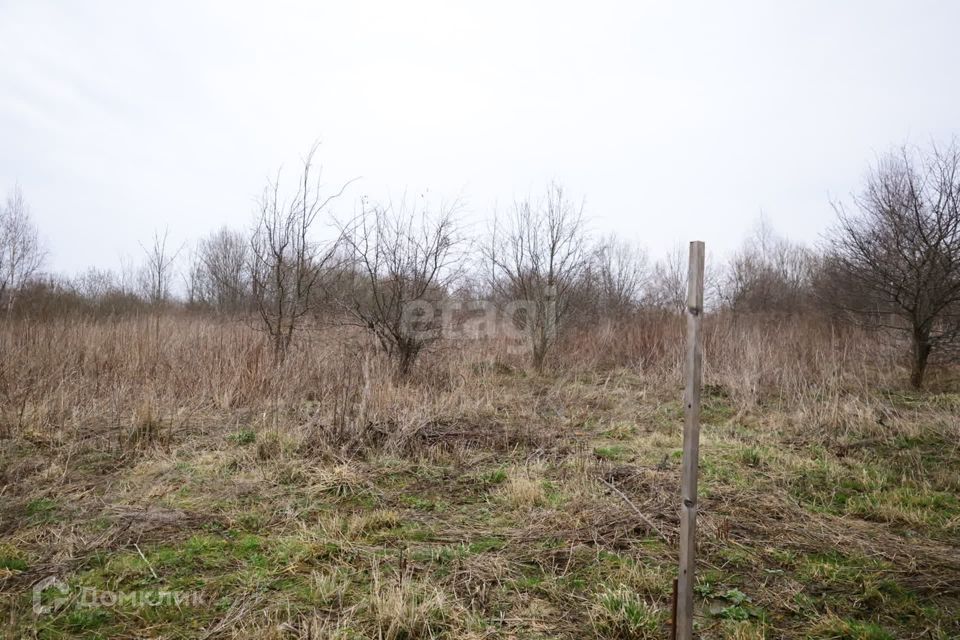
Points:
(177, 484)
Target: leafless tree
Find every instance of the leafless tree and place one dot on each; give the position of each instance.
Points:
(611, 286)
(666, 288)
(156, 274)
(623, 274)
(668, 282)
(768, 273)
(193, 278)
(128, 275)
(402, 260)
(894, 259)
(220, 272)
(95, 284)
(537, 255)
(287, 264)
(102, 291)
(21, 253)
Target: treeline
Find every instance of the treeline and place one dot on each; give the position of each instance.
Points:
(408, 272)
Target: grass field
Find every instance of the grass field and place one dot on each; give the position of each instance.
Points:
(326, 499)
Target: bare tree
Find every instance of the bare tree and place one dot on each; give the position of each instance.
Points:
(402, 260)
(538, 256)
(668, 283)
(894, 261)
(666, 288)
(768, 273)
(21, 253)
(156, 274)
(623, 274)
(193, 279)
(128, 276)
(286, 264)
(95, 284)
(221, 270)
(102, 291)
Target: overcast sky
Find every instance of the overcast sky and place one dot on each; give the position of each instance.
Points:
(674, 120)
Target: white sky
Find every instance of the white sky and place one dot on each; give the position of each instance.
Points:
(674, 120)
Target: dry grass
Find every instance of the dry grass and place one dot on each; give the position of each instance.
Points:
(325, 498)
(523, 488)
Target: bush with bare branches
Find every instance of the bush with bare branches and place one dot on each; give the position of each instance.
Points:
(220, 274)
(156, 274)
(622, 272)
(769, 273)
(538, 255)
(894, 260)
(401, 261)
(21, 253)
(287, 264)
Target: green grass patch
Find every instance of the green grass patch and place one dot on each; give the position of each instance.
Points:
(12, 559)
(613, 452)
(620, 612)
(42, 510)
(835, 628)
(243, 437)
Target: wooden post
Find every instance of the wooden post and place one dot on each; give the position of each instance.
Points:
(691, 445)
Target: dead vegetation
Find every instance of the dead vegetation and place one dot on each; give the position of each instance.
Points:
(322, 496)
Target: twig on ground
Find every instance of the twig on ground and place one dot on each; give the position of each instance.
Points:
(636, 510)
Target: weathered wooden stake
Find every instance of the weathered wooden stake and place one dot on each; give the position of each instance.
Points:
(673, 612)
(691, 445)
